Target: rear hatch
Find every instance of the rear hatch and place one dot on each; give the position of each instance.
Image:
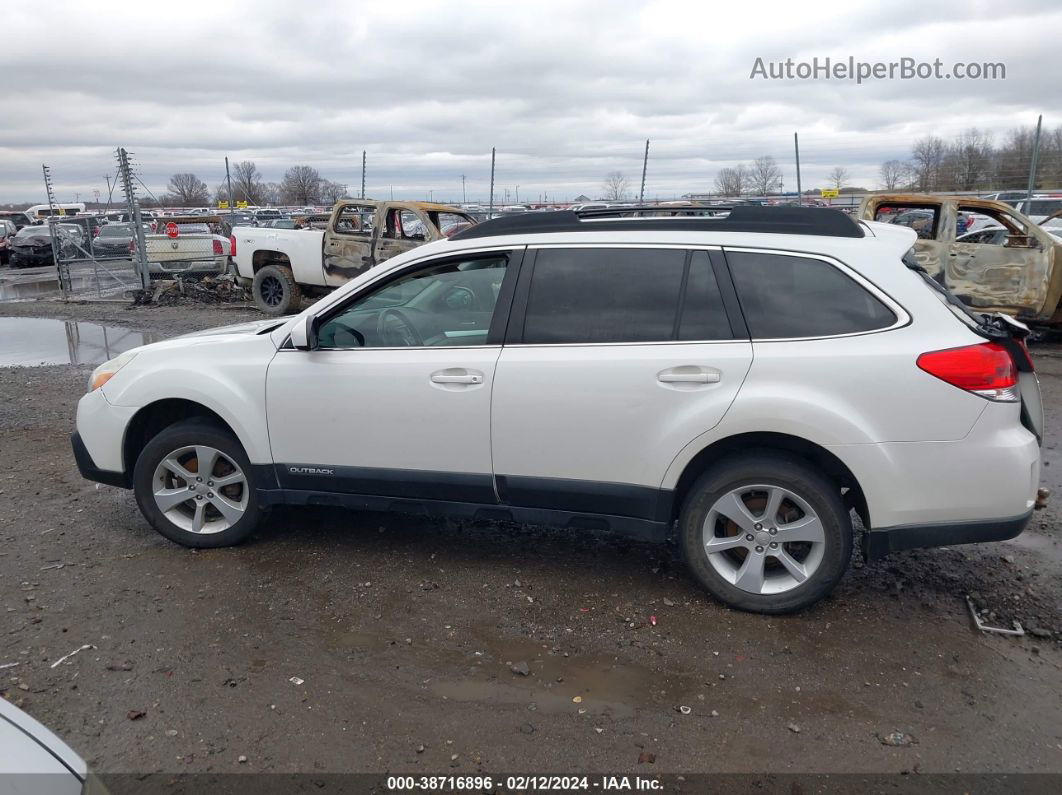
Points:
(1005, 331)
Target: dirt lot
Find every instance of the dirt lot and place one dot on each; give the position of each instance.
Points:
(351, 642)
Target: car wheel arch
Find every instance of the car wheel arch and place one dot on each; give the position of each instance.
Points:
(152, 419)
(816, 455)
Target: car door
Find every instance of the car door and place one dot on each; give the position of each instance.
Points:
(615, 359)
(403, 230)
(1014, 272)
(348, 243)
(395, 399)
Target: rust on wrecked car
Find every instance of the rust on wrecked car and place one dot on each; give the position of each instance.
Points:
(1022, 277)
(362, 233)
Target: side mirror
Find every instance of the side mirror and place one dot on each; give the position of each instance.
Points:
(304, 334)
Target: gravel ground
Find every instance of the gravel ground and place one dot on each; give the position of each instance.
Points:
(335, 642)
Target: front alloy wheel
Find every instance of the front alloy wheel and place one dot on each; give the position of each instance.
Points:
(200, 489)
(194, 484)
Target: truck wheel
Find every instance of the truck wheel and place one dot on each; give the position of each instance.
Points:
(194, 484)
(766, 532)
(275, 290)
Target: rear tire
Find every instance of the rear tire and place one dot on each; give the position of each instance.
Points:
(766, 532)
(275, 290)
(194, 484)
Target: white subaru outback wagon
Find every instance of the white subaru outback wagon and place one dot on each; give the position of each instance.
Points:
(741, 383)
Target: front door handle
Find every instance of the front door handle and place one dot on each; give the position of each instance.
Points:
(688, 378)
(447, 378)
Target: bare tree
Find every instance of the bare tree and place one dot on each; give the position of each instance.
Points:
(764, 176)
(301, 185)
(615, 186)
(187, 190)
(927, 156)
(221, 193)
(247, 182)
(732, 181)
(838, 176)
(332, 191)
(968, 160)
(271, 192)
(892, 173)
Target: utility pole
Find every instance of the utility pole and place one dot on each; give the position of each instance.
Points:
(1032, 165)
(517, 194)
(392, 193)
(232, 199)
(796, 148)
(464, 200)
(645, 165)
(362, 174)
(110, 190)
(490, 208)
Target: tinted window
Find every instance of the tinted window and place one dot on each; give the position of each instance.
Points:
(604, 295)
(785, 296)
(703, 316)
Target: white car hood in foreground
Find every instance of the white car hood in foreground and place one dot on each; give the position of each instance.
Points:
(252, 327)
(28, 748)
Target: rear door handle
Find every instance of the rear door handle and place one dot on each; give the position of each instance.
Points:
(443, 378)
(688, 378)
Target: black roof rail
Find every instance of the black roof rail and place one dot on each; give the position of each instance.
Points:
(820, 221)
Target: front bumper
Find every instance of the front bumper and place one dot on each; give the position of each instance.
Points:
(879, 542)
(88, 469)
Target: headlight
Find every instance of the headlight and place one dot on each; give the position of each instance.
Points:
(102, 374)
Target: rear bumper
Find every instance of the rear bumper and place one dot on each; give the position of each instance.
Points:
(88, 469)
(880, 542)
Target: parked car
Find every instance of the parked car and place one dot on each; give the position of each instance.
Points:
(33, 760)
(32, 245)
(278, 223)
(114, 239)
(17, 217)
(267, 214)
(741, 391)
(1039, 208)
(1022, 277)
(7, 231)
(195, 250)
(280, 265)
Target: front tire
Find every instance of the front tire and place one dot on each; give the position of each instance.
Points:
(195, 486)
(766, 532)
(275, 290)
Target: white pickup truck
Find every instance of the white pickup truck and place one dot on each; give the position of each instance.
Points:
(186, 247)
(280, 265)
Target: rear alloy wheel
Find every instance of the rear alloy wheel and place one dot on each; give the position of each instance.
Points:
(193, 482)
(767, 533)
(275, 290)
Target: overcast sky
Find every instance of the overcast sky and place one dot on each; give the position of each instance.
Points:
(566, 91)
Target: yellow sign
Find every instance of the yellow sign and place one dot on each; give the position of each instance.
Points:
(241, 204)
(61, 211)
(223, 205)
(829, 193)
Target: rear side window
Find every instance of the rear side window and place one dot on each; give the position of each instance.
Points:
(784, 297)
(587, 295)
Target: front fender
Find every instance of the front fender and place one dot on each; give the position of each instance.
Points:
(227, 377)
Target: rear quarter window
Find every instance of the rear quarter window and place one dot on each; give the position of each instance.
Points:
(787, 297)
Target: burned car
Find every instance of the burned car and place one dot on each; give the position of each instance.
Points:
(1018, 273)
(32, 245)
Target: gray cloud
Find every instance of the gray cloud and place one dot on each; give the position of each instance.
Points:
(566, 91)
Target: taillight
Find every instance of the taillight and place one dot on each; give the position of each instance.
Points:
(986, 370)
(232, 245)
(132, 246)
(218, 248)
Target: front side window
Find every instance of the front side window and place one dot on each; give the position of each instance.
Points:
(447, 304)
(602, 295)
(786, 297)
